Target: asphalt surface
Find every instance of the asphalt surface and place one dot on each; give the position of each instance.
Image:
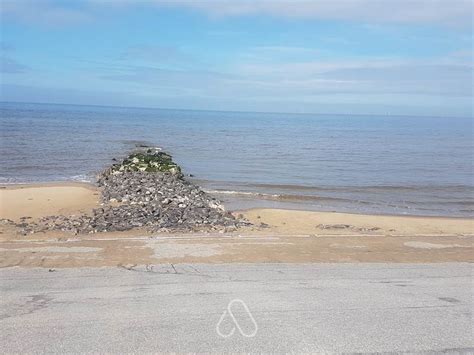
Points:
(273, 308)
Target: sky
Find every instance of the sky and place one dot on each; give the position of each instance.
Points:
(397, 57)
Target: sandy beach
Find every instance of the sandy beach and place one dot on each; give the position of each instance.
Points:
(275, 236)
(40, 200)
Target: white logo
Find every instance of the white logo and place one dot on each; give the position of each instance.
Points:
(229, 312)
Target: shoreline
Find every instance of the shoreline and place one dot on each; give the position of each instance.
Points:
(36, 200)
(93, 186)
(276, 235)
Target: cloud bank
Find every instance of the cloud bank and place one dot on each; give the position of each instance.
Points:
(451, 12)
(457, 13)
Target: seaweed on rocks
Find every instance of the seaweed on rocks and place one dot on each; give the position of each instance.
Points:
(146, 190)
(149, 160)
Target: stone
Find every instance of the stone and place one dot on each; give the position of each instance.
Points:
(154, 195)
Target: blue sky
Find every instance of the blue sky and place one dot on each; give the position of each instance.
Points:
(409, 57)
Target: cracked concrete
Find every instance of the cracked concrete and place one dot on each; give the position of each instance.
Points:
(301, 308)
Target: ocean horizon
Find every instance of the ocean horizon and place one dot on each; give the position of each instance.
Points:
(409, 165)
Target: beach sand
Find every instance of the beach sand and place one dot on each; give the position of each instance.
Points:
(277, 236)
(40, 200)
(332, 223)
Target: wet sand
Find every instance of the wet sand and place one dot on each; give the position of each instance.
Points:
(277, 236)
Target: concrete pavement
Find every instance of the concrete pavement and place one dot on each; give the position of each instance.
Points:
(296, 308)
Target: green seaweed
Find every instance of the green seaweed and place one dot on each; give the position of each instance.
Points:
(150, 160)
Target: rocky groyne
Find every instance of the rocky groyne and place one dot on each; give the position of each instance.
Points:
(145, 190)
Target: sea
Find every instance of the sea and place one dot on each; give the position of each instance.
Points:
(347, 163)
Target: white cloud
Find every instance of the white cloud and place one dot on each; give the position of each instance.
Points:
(43, 12)
(290, 81)
(11, 66)
(8, 64)
(446, 12)
(441, 12)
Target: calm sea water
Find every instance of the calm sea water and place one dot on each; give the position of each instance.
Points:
(376, 164)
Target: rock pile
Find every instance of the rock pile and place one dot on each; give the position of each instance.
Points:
(147, 189)
(151, 160)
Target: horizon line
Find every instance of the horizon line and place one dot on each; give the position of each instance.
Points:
(231, 111)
